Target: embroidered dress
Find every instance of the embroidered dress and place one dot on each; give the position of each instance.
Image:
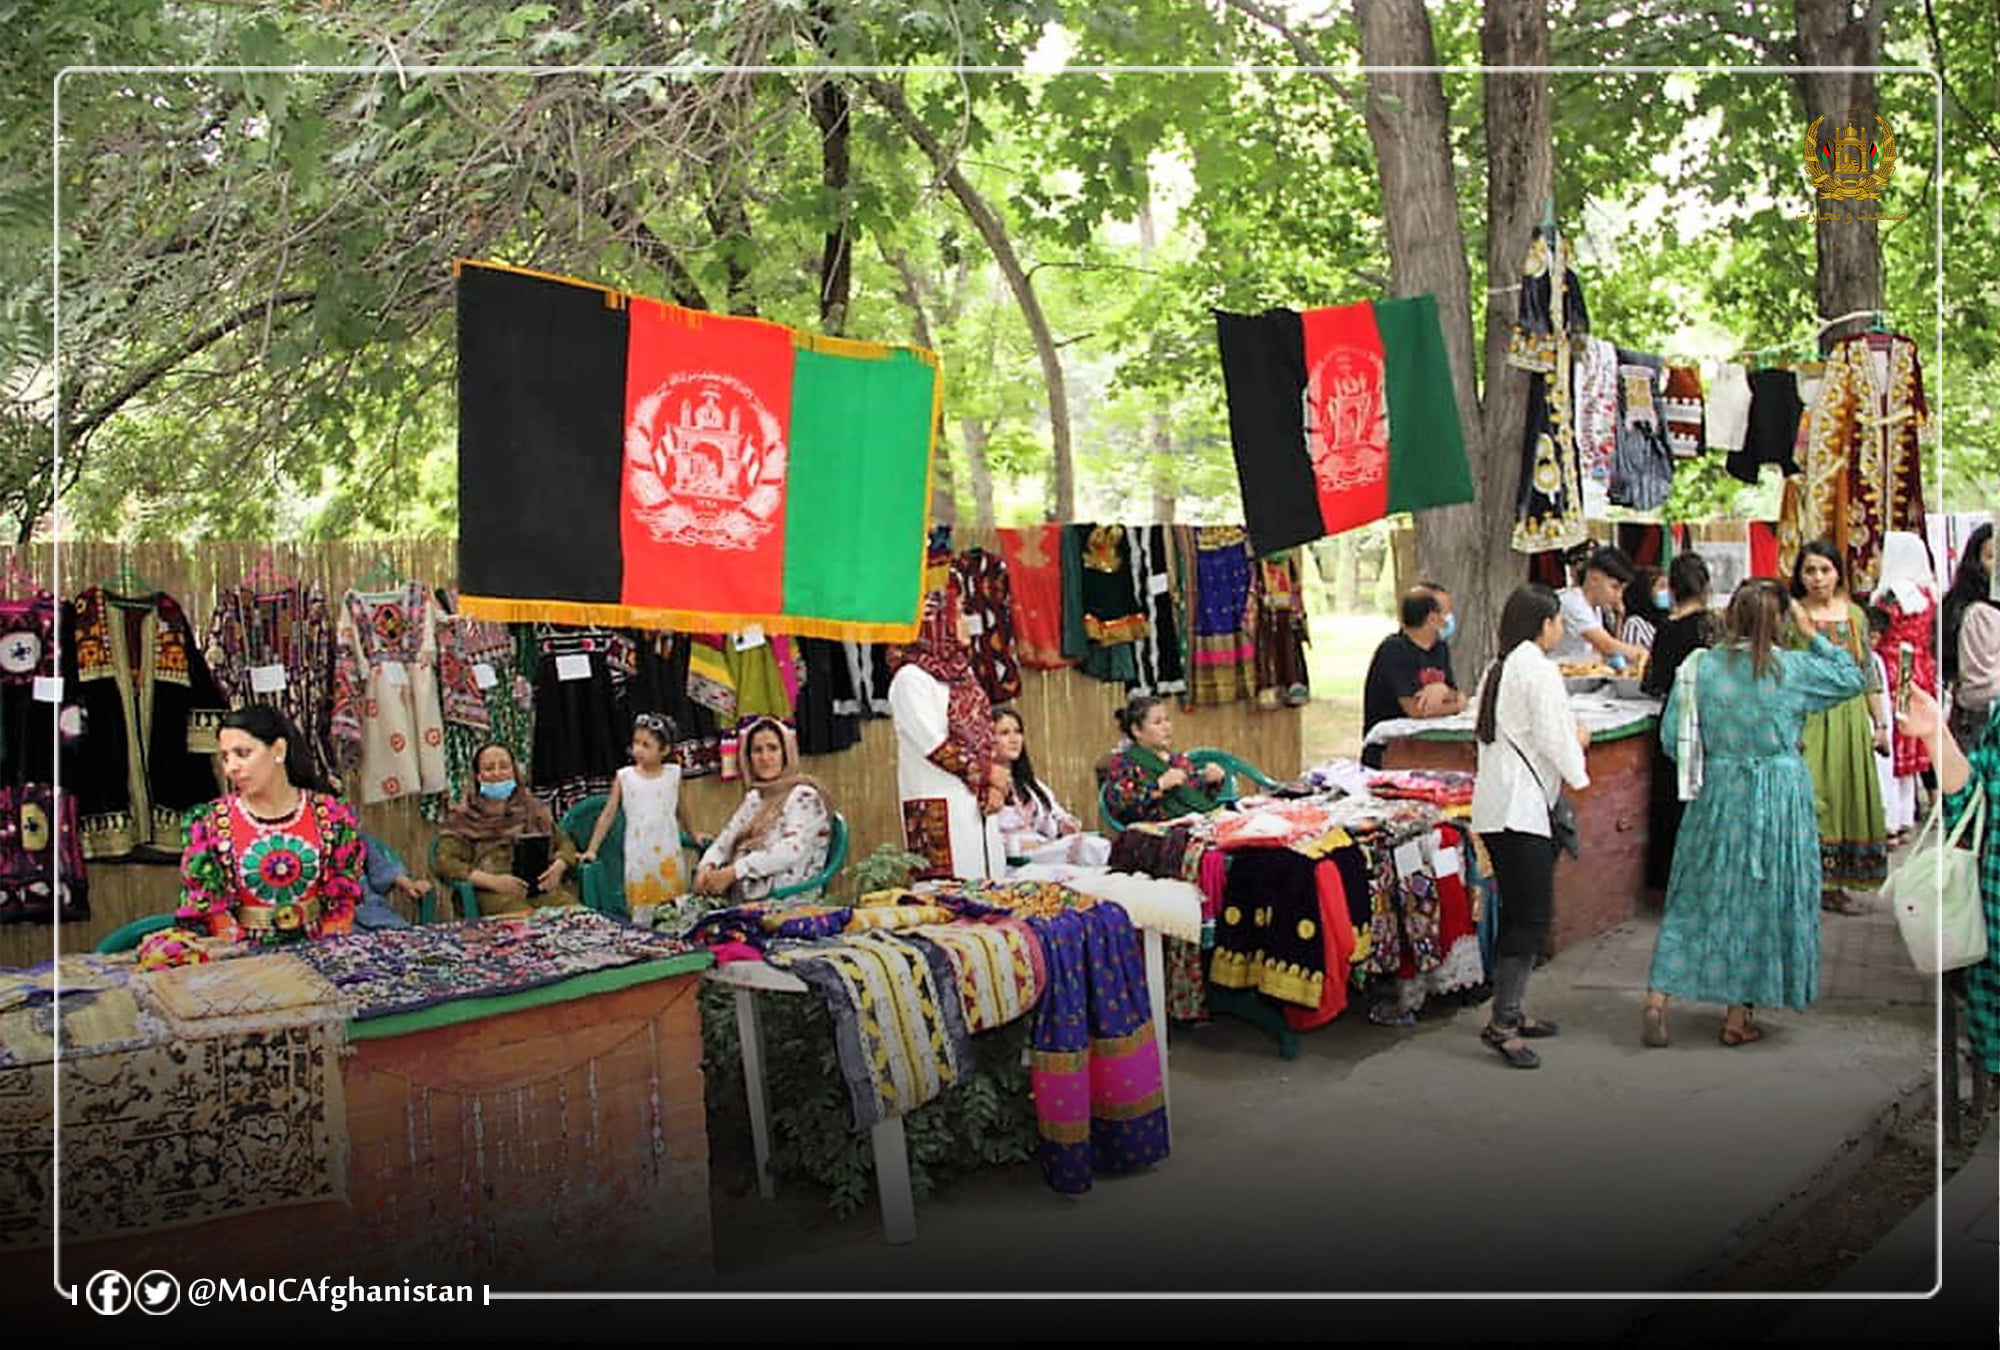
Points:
(659, 684)
(1551, 502)
(1281, 633)
(583, 720)
(989, 603)
(1642, 468)
(272, 882)
(1162, 666)
(1596, 420)
(1742, 922)
(1863, 460)
(1982, 981)
(1102, 618)
(150, 711)
(1034, 574)
(29, 834)
(280, 637)
(1915, 626)
(936, 767)
(1132, 789)
(654, 873)
(1847, 793)
(476, 712)
(1225, 653)
(794, 850)
(387, 720)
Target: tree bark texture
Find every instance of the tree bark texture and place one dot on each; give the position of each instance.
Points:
(836, 266)
(988, 223)
(1848, 276)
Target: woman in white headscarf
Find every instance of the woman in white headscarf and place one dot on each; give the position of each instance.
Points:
(1907, 595)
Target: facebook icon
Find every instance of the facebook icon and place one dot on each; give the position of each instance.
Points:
(108, 1292)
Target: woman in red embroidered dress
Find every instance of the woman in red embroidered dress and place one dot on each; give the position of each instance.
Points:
(279, 858)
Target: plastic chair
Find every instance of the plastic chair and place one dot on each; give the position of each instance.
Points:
(1234, 767)
(466, 898)
(125, 938)
(836, 855)
(1111, 823)
(602, 883)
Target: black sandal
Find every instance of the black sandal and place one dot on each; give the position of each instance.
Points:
(1534, 1028)
(1506, 1042)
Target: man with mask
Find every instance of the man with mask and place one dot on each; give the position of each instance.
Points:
(1410, 674)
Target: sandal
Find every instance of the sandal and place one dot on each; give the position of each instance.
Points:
(1747, 1034)
(1388, 1014)
(1506, 1043)
(1840, 902)
(1653, 1028)
(1534, 1029)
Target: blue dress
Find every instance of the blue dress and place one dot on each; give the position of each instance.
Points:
(1742, 913)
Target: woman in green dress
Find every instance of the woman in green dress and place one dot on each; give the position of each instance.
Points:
(1741, 925)
(1840, 743)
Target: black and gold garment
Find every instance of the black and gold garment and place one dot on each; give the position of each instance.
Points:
(1551, 499)
(1268, 937)
(32, 888)
(583, 720)
(150, 714)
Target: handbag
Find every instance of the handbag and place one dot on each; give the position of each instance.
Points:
(1935, 892)
(1562, 813)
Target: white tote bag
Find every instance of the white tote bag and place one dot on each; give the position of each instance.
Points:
(1935, 892)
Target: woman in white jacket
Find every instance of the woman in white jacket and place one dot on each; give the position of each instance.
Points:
(950, 786)
(1529, 746)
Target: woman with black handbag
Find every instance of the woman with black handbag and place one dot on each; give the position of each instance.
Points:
(1529, 746)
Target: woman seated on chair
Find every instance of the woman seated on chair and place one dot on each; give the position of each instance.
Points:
(476, 842)
(1148, 781)
(780, 834)
(278, 858)
(1032, 822)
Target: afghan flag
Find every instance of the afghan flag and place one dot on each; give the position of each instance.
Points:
(1340, 416)
(628, 462)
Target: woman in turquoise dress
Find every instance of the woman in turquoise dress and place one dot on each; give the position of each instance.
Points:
(1742, 915)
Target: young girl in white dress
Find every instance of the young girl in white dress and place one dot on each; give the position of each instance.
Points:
(649, 791)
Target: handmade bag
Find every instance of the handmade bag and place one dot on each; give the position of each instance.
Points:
(1935, 892)
(1562, 813)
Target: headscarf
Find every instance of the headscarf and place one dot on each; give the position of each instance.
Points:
(939, 654)
(1906, 573)
(483, 821)
(777, 790)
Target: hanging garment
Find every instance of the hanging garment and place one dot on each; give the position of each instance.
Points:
(1281, 633)
(275, 646)
(1225, 650)
(1642, 468)
(42, 872)
(823, 726)
(1728, 408)
(483, 678)
(387, 717)
(1551, 499)
(150, 711)
(1161, 668)
(1596, 420)
(1682, 406)
(1771, 426)
(868, 665)
(989, 605)
(660, 684)
(583, 719)
(28, 653)
(1863, 463)
(1035, 576)
(1101, 615)
(32, 838)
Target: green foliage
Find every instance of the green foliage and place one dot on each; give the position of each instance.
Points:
(983, 1120)
(885, 868)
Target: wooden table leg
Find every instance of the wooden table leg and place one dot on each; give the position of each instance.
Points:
(1156, 996)
(892, 1181)
(750, 1034)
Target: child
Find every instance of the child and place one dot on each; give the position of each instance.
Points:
(1899, 809)
(649, 790)
(382, 876)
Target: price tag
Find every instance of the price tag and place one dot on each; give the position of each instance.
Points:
(1159, 584)
(484, 675)
(573, 667)
(1447, 862)
(750, 637)
(1410, 858)
(975, 624)
(394, 673)
(267, 679)
(48, 689)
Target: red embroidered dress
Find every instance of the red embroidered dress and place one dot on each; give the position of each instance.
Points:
(272, 881)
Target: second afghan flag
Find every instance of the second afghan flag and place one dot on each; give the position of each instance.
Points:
(1340, 416)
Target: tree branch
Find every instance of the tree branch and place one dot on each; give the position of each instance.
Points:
(1937, 59)
(1308, 54)
(622, 217)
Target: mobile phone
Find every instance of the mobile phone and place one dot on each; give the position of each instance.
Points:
(1906, 664)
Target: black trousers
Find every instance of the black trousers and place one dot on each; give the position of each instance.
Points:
(1524, 870)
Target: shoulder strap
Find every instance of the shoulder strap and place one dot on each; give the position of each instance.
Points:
(1530, 765)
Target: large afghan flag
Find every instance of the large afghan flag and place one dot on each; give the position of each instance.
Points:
(630, 462)
(1340, 416)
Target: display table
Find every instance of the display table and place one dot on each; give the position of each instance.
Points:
(1600, 890)
(553, 1137)
(892, 1163)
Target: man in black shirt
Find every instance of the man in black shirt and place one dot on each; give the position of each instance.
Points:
(1410, 674)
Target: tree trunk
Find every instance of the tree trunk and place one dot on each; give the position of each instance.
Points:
(836, 270)
(974, 430)
(1849, 272)
(910, 290)
(987, 222)
(1463, 547)
(1159, 435)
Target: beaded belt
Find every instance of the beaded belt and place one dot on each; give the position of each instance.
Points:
(299, 914)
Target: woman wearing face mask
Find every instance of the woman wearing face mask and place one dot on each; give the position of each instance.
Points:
(1647, 601)
(476, 841)
(780, 833)
(279, 858)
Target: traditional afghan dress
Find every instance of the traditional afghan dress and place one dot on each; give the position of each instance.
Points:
(387, 718)
(271, 882)
(1551, 501)
(944, 752)
(274, 645)
(32, 831)
(1847, 794)
(1133, 791)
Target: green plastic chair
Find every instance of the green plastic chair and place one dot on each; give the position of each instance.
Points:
(602, 882)
(462, 892)
(1235, 768)
(1111, 823)
(125, 938)
(836, 856)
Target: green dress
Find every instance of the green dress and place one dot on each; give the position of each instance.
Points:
(1847, 793)
(1742, 912)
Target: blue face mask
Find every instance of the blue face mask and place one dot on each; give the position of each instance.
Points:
(1450, 627)
(1663, 600)
(497, 792)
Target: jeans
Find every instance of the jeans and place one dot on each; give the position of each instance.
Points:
(1524, 868)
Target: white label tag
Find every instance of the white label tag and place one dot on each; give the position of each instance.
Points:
(1409, 858)
(483, 675)
(267, 679)
(394, 673)
(975, 624)
(1446, 862)
(573, 667)
(750, 637)
(1159, 584)
(48, 688)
